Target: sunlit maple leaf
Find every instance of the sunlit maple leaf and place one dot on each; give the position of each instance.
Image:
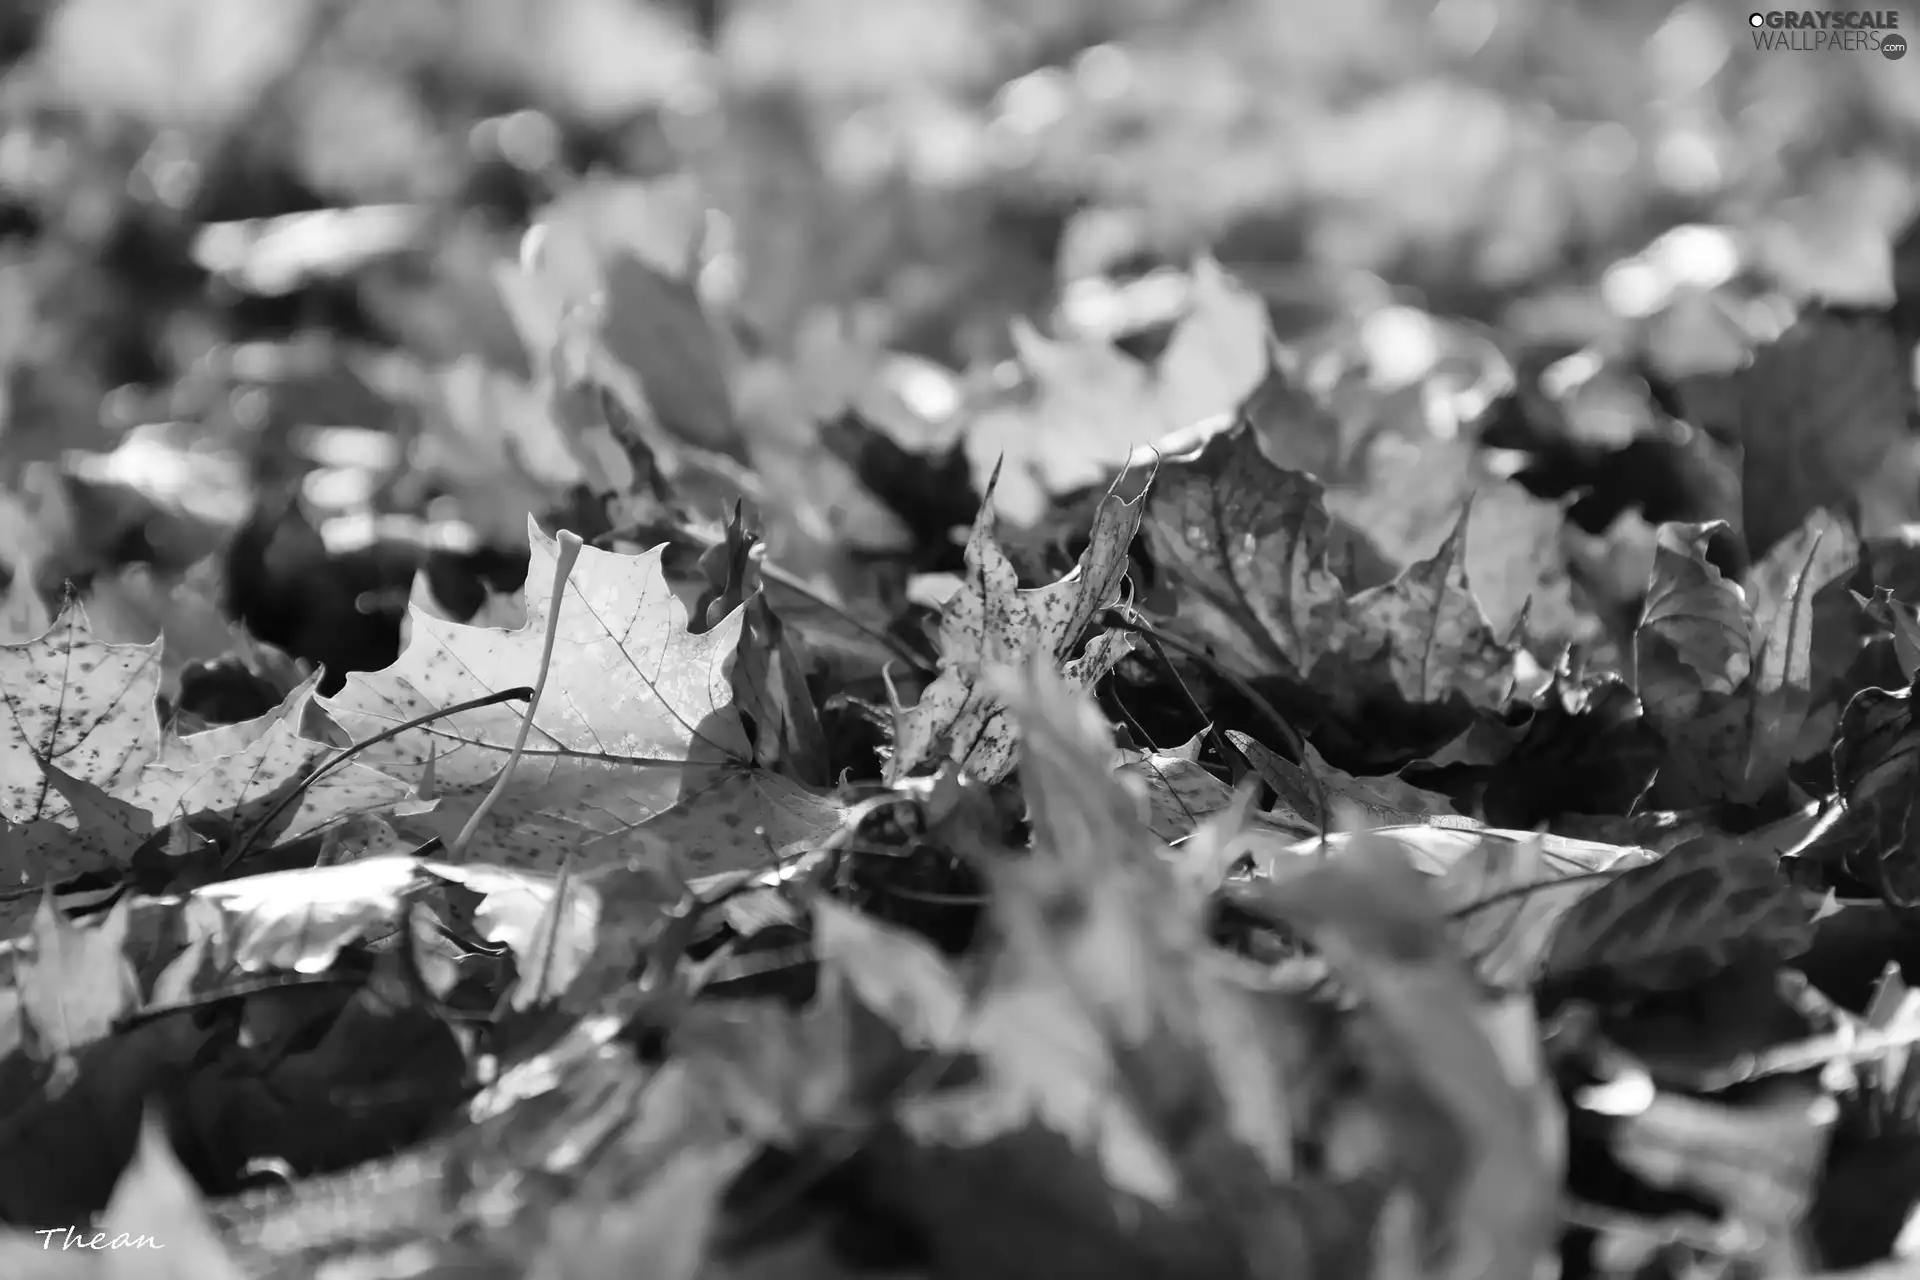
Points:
(83, 705)
(637, 720)
(86, 772)
(241, 771)
(992, 624)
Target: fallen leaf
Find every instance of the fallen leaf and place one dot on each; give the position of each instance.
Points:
(1903, 621)
(1700, 908)
(1099, 909)
(653, 325)
(1876, 774)
(1822, 414)
(1825, 552)
(298, 921)
(992, 624)
(77, 724)
(637, 717)
(1692, 637)
(1728, 676)
(551, 926)
(1505, 892)
(85, 706)
(1263, 571)
(1431, 640)
(1386, 801)
(770, 688)
(1181, 793)
(1268, 583)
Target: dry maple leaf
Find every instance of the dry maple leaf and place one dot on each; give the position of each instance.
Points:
(1679, 920)
(79, 703)
(992, 624)
(86, 772)
(1823, 416)
(1692, 638)
(1727, 676)
(1266, 579)
(1385, 801)
(1506, 891)
(1412, 498)
(1902, 621)
(1181, 793)
(1263, 569)
(297, 921)
(636, 725)
(1427, 633)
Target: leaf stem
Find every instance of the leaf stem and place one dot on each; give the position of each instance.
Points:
(345, 754)
(562, 571)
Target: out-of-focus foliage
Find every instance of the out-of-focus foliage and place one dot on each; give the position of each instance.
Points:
(923, 154)
(960, 638)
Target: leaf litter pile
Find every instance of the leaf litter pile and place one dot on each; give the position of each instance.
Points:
(1246, 836)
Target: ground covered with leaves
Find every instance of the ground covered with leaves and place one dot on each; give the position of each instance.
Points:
(538, 740)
